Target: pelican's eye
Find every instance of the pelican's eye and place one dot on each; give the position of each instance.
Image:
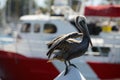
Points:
(82, 22)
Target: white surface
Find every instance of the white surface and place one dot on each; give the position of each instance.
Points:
(73, 74)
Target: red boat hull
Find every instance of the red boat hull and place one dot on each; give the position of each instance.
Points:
(17, 67)
(106, 70)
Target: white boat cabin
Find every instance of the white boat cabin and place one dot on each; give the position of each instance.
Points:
(43, 27)
(37, 30)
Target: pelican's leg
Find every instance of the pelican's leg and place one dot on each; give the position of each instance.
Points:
(72, 64)
(66, 69)
(49, 55)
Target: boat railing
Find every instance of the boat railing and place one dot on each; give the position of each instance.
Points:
(28, 46)
(1, 45)
(39, 44)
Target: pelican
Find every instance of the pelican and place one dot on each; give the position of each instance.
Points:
(70, 48)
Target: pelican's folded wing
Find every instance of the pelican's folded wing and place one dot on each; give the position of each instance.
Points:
(52, 42)
(61, 40)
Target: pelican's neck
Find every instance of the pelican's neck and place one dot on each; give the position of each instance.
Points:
(85, 42)
(86, 38)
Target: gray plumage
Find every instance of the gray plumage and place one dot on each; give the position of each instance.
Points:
(68, 47)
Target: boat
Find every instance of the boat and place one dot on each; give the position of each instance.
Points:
(24, 58)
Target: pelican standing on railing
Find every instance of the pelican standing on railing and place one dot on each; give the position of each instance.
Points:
(68, 47)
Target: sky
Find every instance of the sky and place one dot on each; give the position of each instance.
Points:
(2, 3)
(93, 2)
(41, 2)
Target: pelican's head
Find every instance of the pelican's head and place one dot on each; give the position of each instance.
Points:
(81, 23)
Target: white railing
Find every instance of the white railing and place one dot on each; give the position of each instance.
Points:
(34, 47)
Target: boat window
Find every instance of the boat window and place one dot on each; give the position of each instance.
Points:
(103, 51)
(95, 49)
(36, 28)
(26, 27)
(50, 28)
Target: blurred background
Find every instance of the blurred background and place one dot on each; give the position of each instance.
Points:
(11, 10)
(39, 21)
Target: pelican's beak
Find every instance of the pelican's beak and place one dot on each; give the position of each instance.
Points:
(84, 29)
(82, 26)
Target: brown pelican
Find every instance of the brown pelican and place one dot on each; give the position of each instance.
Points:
(68, 47)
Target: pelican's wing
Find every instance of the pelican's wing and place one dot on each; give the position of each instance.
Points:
(61, 40)
(52, 42)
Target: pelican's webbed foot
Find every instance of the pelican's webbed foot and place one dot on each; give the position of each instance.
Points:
(72, 64)
(66, 71)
